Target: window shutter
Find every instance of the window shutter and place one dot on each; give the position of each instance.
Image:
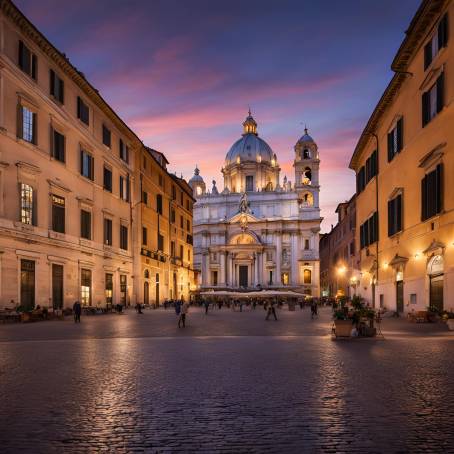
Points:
(423, 199)
(425, 108)
(127, 155)
(52, 142)
(91, 160)
(121, 187)
(21, 55)
(400, 133)
(399, 213)
(443, 32)
(81, 162)
(390, 146)
(127, 188)
(439, 187)
(121, 149)
(63, 149)
(427, 55)
(61, 91)
(440, 92)
(390, 217)
(34, 71)
(20, 121)
(35, 128)
(78, 107)
(52, 82)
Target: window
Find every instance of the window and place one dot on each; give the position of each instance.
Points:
(306, 244)
(28, 61)
(144, 236)
(123, 289)
(361, 180)
(433, 100)
(57, 87)
(249, 183)
(306, 154)
(58, 145)
(270, 277)
(181, 198)
(174, 192)
(159, 203)
(107, 179)
(172, 216)
(437, 42)
(214, 277)
(172, 248)
(27, 204)
(160, 243)
(189, 255)
(285, 278)
(124, 151)
(371, 166)
(124, 237)
(395, 215)
(187, 204)
(188, 225)
(85, 224)
(57, 286)
(181, 222)
(58, 214)
(83, 113)
(369, 231)
(432, 193)
(85, 287)
(145, 197)
(109, 289)
(108, 232)
(27, 125)
(395, 140)
(124, 188)
(160, 180)
(181, 252)
(86, 165)
(307, 276)
(106, 136)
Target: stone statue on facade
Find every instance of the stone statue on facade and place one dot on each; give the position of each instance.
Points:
(214, 189)
(244, 204)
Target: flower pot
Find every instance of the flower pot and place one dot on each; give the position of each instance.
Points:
(450, 323)
(343, 328)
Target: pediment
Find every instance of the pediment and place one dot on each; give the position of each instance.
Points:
(436, 247)
(242, 218)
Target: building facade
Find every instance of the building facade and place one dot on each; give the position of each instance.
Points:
(403, 162)
(164, 230)
(257, 232)
(338, 258)
(69, 171)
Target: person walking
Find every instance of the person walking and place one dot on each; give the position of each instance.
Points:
(313, 309)
(77, 309)
(183, 311)
(271, 311)
(207, 305)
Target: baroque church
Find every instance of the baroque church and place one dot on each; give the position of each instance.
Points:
(259, 232)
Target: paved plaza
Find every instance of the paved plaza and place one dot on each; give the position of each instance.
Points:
(229, 382)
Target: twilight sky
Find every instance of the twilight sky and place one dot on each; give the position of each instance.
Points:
(181, 73)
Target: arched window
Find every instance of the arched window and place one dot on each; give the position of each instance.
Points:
(146, 274)
(307, 200)
(307, 175)
(307, 276)
(306, 154)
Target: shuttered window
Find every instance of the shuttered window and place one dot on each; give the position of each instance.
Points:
(87, 165)
(159, 203)
(144, 236)
(57, 87)
(27, 124)
(395, 140)
(27, 61)
(160, 243)
(395, 215)
(124, 188)
(432, 193)
(437, 42)
(85, 224)
(124, 151)
(107, 179)
(371, 167)
(361, 180)
(58, 145)
(368, 231)
(108, 232)
(433, 100)
(106, 136)
(58, 214)
(83, 112)
(123, 237)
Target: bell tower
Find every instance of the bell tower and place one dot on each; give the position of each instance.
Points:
(306, 166)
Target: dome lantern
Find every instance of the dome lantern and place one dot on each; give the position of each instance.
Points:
(250, 125)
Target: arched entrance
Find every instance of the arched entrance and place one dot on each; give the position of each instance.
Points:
(435, 270)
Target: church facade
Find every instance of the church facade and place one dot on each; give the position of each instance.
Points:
(259, 232)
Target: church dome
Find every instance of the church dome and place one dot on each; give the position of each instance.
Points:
(306, 137)
(250, 147)
(196, 178)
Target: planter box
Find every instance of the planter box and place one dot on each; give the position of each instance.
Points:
(343, 328)
(450, 323)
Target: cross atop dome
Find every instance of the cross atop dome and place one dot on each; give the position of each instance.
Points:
(250, 125)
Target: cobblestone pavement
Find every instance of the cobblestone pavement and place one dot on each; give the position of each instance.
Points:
(229, 382)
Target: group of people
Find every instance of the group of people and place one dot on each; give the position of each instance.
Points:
(181, 309)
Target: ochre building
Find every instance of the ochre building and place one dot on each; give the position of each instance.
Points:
(404, 162)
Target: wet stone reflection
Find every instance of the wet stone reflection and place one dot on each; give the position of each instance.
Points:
(229, 382)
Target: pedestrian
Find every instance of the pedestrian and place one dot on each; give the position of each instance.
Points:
(139, 308)
(254, 303)
(240, 302)
(183, 311)
(313, 309)
(77, 309)
(207, 305)
(301, 303)
(271, 311)
(177, 305)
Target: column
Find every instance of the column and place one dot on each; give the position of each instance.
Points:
(256, 268)
(205, 269)
(278, 258)
(228, 279)
(294, 258)
(222, 276)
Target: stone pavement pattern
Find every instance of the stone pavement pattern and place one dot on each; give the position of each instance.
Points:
(230, 382)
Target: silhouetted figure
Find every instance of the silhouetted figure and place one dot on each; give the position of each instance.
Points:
(77, 309)
(271, 311)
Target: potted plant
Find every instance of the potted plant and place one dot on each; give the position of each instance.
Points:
(342, 323)
(433, 313)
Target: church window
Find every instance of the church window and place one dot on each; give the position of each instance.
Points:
(306, 154)
(270, 281)
(306, 244)
(285, 278)
(249, 183)
(307, 176)
(307, 276)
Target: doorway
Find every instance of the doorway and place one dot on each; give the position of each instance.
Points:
(400, 296)
(436, 291)
(243, 275)
(157, 290)
(57, 286)
(27, 284)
